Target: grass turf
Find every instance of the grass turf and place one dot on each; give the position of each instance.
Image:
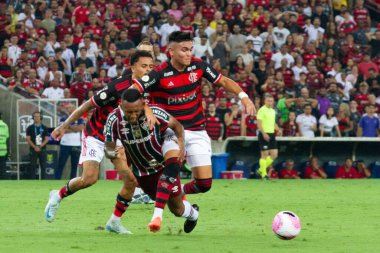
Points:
(235, 216)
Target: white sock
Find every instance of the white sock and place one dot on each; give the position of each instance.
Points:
(190, 213)
(115, 218)
(157, 213)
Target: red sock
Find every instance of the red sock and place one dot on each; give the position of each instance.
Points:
(65, 191)
(121, 205)
(198, 186)
(166, 182)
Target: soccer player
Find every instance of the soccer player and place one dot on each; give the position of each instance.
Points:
(175, 86)
(93, 141)
(155, 158)
(266, 122)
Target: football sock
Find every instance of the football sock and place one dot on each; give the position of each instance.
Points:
(190, 213)
(269, 161)
(263, 167)
(166, 183)
(120, 206)
(65, 191)
(198, 186)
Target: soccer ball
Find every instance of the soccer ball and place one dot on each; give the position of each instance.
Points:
(286, 225)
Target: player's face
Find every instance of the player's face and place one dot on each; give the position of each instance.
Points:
(182, 52)
(133, 111)
(142, 67)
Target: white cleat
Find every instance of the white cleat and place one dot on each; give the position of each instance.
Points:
(52, 206)
(115, 226)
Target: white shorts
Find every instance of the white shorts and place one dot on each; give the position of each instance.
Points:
(92, 149)
(197, 145)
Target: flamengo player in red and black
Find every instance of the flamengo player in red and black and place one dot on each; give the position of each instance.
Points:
(93, 142)
(155, 157)
(175, 86)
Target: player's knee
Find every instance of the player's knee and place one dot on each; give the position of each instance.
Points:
(203, 185)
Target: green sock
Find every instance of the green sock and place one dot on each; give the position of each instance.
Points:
(263, 167)
(269, 161)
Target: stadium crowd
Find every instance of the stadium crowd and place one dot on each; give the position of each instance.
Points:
(319, 59)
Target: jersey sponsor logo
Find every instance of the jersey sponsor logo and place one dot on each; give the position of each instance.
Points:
(146, 85)
(137, 141)
(182, 100)
(208, 70)
(124, 130)
(170, 73)
(193, 77)
(144, 125)
(110, 121)
(160, 113)
(171, 84)
(191, 68)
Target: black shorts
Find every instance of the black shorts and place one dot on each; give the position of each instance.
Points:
(267, 145)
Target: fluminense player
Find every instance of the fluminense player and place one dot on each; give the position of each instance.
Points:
(155, 158)
(93, 140)
(175, 86)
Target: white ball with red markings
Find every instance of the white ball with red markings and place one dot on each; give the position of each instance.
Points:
(286, 225)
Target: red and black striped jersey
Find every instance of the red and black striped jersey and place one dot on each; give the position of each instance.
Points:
(142, 145)
(105, 101)
(234, 128)
(214, 126)
(251, 125)
(179, 93)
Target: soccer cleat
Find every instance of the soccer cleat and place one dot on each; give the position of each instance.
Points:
(190, 224)
(52, 206)
(155, 225)
(115, 226)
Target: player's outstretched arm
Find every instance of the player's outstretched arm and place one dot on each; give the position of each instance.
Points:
(180, 133)
(60, 130)
(232, 86)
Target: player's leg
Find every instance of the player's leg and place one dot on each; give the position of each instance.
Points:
(264, 154)
(165, 185)
(124, 196)
(198, 149)
(92, 154)
(272, 151)
(183, 208)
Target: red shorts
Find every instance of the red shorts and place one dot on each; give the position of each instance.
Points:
(149, 185)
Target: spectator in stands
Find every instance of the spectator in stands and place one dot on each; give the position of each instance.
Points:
(14, 50)
(282, 54)
(289, 172)
(272, 173)
(344, 120)
(366, 65)
(203, 49)
(54, 91)
(290, 127)
(363, 171)
(328, 124)
(233, 121)
(346, 171)
(5, 64)
(335, 96)
(168, 28)
(83, 59)
(313, 170)
(79, 88)
(236, 41)
(369, 123)
(214, 124)
(33, 85)
(307, 123)
(112, 71)
(125, 46)
(374, 41)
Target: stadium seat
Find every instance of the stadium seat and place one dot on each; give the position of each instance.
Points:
(302, 167)
(330, 168)
(241, 165)
(376, 169)
(279, 166)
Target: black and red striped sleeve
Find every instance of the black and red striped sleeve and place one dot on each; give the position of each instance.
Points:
(148, 81)
(211, 74)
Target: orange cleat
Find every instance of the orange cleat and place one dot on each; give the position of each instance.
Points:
(155, 225)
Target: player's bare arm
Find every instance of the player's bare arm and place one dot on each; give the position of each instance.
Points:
(180, 133)
(60, 130)
(232, 86)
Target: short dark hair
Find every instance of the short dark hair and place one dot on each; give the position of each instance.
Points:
(179, 36)
(139, 53)
(131, 95)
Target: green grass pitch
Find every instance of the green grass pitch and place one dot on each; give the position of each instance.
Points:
(235, 216)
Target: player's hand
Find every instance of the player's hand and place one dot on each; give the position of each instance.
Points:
(37, 149)
(150, 118)
(249, 106)
(266, 137)
(58, 132)
(181, 154)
